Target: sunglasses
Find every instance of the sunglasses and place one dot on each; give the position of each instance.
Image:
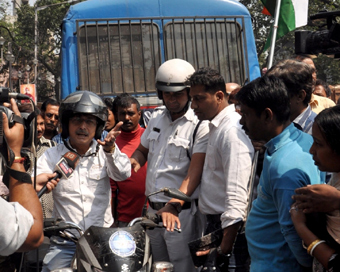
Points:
(50, 115)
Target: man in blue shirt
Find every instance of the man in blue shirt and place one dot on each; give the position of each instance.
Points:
(273, 242)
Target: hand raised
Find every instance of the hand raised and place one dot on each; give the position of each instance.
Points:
(110, 139)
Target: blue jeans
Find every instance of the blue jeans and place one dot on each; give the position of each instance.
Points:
(59, 255)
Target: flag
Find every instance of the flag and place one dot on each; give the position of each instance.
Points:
(266, 12)
(293, 14)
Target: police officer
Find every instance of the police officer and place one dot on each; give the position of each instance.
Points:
(175, 158)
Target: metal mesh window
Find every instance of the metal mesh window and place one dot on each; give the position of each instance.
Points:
(118, 57)
(204, 42)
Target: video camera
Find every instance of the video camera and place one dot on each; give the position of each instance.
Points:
(325, 41)
(5, 96)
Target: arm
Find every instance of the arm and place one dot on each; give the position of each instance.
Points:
(139, 157)
(317, 198)
(322, 252)
(190, 183)
(23, 193)
(229, 236)
(236, 157)
(236, 152)
(44, 175)
(282, 199)
(118, 164)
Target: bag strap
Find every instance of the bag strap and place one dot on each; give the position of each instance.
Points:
(194, 137)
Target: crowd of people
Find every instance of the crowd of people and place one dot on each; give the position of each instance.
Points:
(204, 141)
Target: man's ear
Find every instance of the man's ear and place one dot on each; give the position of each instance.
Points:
(219, 96)
(302, 95)
(267, 115)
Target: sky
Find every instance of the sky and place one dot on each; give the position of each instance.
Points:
(31, 2)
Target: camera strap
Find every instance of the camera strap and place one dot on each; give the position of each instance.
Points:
(20, 176)
(18, 119)
(8, 155)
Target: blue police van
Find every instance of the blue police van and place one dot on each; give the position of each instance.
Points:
(116, 46)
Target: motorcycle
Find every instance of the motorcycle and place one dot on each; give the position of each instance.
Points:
(116, 249)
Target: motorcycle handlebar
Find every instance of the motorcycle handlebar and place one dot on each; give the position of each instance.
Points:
(151, 220)
(56, 227)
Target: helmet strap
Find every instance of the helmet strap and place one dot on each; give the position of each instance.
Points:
(82, 156)
(184, 110)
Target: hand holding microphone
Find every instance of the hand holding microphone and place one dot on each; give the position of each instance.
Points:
(64, 168)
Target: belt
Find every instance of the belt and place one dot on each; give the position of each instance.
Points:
(214, 218)
(159, 205)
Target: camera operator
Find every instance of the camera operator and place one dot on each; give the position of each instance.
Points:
(21, 225)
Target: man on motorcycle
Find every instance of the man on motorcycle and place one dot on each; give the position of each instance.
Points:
(174, 145)
(84, 197)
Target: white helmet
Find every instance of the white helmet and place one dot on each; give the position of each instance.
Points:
(172, 75)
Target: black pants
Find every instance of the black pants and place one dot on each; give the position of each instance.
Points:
(240, 259)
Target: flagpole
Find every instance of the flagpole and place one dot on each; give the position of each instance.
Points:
(275, 26)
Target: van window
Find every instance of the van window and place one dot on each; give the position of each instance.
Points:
(131, 47)
(134, 48)
(207, 42)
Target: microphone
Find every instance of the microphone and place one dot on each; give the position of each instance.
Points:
(64, 168)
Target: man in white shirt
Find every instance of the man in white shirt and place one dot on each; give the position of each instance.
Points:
(84, 198)
(175, 159)
(227, 167)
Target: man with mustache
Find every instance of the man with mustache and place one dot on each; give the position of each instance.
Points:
(227, 167)
(49, 110)
(128, 197)
(175, 159)
(83, 198)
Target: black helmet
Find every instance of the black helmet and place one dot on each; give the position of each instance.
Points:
(82, 102)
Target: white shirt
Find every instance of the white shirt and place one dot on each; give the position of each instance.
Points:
(168, 142)
(15, 225)
(85, 197)
(226, 169)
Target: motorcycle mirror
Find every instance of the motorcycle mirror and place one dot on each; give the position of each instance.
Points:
(175, 193)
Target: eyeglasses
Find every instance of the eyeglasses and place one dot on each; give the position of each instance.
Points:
(50, 115)
(77, 121)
